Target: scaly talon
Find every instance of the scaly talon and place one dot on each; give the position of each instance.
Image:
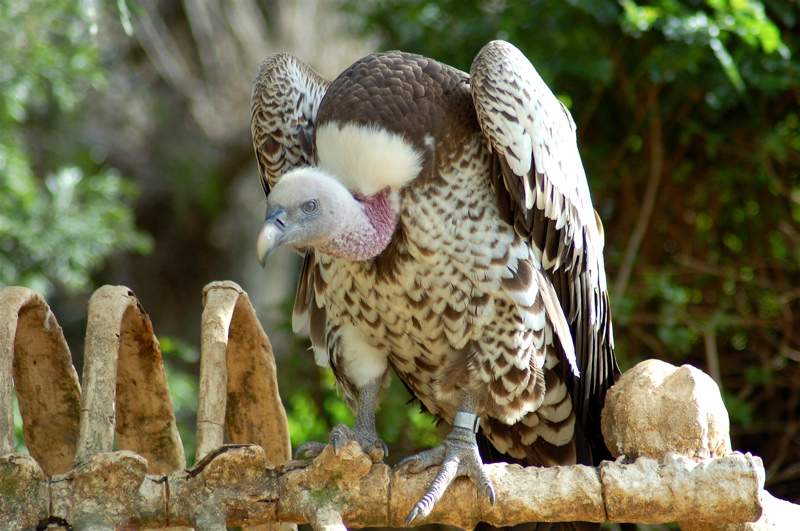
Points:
(457, 456)
(340, 435)
(414, 464)
(309, 450)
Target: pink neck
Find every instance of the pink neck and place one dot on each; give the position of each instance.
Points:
(368, 239)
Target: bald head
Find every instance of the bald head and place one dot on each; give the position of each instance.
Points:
(310, 208)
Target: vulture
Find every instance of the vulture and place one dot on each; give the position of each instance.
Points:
(448, 234)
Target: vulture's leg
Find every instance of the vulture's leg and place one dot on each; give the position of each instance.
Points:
(456, 456)
(363, 430)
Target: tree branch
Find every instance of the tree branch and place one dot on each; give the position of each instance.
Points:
(648, 202)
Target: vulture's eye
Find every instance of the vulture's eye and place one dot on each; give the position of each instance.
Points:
(310, 206)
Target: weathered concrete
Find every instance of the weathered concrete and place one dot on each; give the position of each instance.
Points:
(678, 488)
(35, 358)
(238, 377)
(778, 515)
(23, 492)
(656, 408)
(125, 385)
(235, 485)
(239, 381)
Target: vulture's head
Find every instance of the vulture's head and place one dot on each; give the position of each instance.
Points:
(309, 208)
(347, 206)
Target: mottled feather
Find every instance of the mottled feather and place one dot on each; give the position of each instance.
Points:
(533, 137)
(283, 111)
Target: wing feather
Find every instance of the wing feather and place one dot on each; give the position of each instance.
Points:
(534, 137)
(286, 97)
(283, 110)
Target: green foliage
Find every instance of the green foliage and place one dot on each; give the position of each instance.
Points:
(740, 411)
(726, 20)
(181, 362)
(49, 55)
(64, 229)
(60, 228)
(19, 438)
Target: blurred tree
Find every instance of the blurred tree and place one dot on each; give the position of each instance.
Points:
(60, 228)
(689, 125)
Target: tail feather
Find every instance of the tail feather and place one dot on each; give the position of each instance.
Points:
(540, 456)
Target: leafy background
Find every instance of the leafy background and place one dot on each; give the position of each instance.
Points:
(125, 158)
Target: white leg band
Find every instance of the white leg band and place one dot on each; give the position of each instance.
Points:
(469, 421)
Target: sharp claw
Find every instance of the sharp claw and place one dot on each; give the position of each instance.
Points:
(490, 493)
(484, 484)
(338, 438)
(406, 462)
(412, 464)
(335, 438)
(308, 450)
(412, 516)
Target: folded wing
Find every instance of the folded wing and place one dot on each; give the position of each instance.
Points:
(286, 97)
(543, 191)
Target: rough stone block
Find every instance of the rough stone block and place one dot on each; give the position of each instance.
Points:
(656, 408)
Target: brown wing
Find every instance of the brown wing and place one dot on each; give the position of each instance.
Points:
(283, 111)
(286, 97)
(542, 187)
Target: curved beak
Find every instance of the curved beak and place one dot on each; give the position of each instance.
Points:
(271, 235)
